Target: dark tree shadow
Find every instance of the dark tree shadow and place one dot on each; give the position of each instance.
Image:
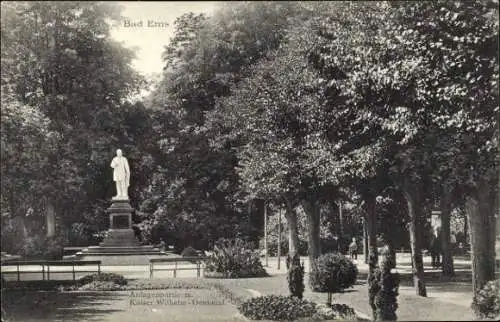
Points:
(348, 291)
(437, 278)
(27, 305)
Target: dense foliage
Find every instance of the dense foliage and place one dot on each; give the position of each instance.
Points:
(278, 308)
(486, 303)
(282, 308)
(295, 276)
(233, 259)
(340, 312)
(41, 247)
(104, 277)
(383, 287)
(196, 187)
(66, 89)
(389, 107)
(332, 273)
(189, 252)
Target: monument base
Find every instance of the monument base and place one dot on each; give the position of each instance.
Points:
(120, 246)
(120, 214)
(120, 237)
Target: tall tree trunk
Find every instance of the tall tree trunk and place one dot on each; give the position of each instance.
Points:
(414, 202)
(447, 261)
(371, 230)
(313, 221)
(365, 241)
(392, 254)
(341, 229)
(266, 250)
(293, 233)
(391, 251)
(50, 219)
(481, 217)
(466, 231)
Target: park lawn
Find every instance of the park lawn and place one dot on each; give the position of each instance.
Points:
(29, 305)
(411, 307)
(162, 300)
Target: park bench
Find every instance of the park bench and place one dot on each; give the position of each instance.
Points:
(45, 267)
(198, 261)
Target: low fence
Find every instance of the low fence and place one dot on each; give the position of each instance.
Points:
(43, 270)
(158, 264)
(42, 266)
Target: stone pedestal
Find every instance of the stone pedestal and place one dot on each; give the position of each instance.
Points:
(120, 214)
(120, 246)
(120, 231)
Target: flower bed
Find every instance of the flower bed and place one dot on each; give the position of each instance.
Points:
(287, 308)
(233, 259)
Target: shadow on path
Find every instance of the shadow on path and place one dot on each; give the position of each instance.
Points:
(56, 306)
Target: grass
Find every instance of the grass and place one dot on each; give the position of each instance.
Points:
(149, 300)
(411, 307)
(44, 300)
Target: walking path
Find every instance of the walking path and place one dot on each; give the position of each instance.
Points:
(447, 299)
(456, 292)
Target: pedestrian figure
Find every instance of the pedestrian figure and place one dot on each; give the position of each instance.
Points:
(162, 245)
(435, 248)
(353, 249)
(453, 242)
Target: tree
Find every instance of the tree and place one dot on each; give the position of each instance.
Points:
(206, 58)
(417, 85)
(266, 119)
(459, 90)
(58, 58)
(26, 144)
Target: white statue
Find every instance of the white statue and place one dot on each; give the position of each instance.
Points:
(121, 175)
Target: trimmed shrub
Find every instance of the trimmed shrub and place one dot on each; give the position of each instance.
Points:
(233, 259)
(189, 252)
(80, 234)
(41, 247)
(54, 248)
(332, 273)
(295, 276)
(99, 236)
(272, 246)
(104, 277)
(486, 303)
(335, 312)
(276, 307)
(101, 286)
(383, 287)
(33, 247)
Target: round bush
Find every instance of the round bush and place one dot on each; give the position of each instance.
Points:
(335, 312)
(104, 277)
(486, 304)
(233, 259)
(54, 247)
(41, 247)
(295, 276)
(383, 287)
(100, 286)
(189, 252)
(272, 247)
(332, 273)
(276, 307)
